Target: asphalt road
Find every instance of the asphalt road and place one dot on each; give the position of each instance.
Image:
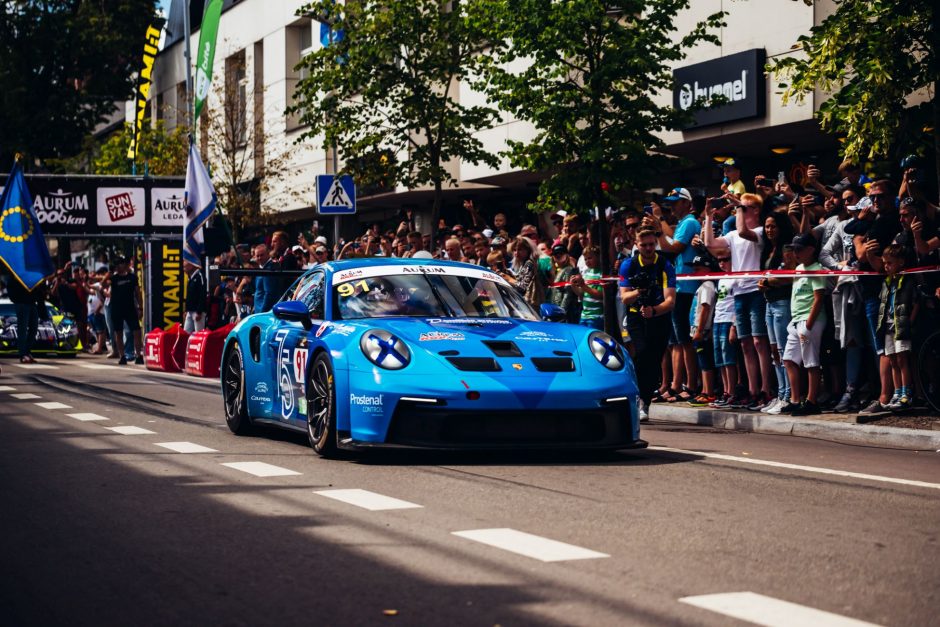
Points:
(100, 525)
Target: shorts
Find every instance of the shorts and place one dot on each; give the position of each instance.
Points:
(680, 318)
(705, 353)
(725, 353)
(97, 323)
(750, 314)
(592, 323)
(120, 317)
(893, 346)
(804, 353)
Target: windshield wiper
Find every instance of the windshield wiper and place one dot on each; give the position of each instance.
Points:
(437, 295)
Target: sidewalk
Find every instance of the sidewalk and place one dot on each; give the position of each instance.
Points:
(832, 427)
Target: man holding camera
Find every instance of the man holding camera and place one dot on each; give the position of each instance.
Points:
(648, 289)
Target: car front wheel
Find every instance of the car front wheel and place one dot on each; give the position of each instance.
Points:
(233, 392)
(321, 406)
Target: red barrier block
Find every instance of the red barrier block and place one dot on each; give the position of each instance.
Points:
(165, 350)
(204, 352)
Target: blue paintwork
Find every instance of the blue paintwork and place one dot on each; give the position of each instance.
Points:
(367, 394)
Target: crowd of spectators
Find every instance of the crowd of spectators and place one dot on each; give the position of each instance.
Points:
(774, 342)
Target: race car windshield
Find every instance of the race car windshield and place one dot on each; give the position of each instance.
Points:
(422, 296)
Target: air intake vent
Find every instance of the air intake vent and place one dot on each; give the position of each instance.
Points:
(502, 348)
(553, 364)
(475, 364)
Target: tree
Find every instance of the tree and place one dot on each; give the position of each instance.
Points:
(161, 152)
(63, 65)
(871, 55)
(390, 83)
(588, 87)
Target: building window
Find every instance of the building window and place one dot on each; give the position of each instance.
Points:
(300, 42)
(236, 101)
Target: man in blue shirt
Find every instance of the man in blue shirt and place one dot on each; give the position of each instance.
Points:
(687, 229)
(266, 287)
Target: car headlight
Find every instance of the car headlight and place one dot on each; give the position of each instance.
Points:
(384, 349)
(606, 350)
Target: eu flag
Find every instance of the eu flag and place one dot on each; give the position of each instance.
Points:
(23, 249)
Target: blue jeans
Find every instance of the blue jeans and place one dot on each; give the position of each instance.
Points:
(778, 317)
(871, 313)
(27, 324)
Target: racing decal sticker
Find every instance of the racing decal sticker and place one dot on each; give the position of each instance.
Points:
(368, 404)
(285, 369)
(300, 367)
(470, 321)
(336, 328)
(261, 387)
(323, 327)
(436, 336)
(538, 336)
(389, 270)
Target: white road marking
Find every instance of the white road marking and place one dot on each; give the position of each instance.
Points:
(87, 417)
(101, 367)
(815, 469)
(54, 405)
(768, 611)
(261, 469)
(186, 447)
(37, 366)
(131, 430)
(25, 396)
(7, 388)
(529, 545)
(367, 500)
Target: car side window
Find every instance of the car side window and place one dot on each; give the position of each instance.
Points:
(310, 292)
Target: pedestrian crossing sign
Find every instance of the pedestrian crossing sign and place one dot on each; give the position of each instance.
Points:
(335, 194)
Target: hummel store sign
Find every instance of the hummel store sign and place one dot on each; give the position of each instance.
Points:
(737, 78)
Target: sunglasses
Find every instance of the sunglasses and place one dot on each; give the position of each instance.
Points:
(878, 196)
(632, 225)
(723, 259)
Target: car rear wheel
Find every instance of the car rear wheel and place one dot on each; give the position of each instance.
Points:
(233, 392)
(321, 406)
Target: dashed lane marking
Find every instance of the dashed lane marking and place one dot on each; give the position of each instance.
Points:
(131, 430)
(768, 611)
(261, 469)
(102, 367)
(37, 366)
(25, 396)
(186, 447)
(86, 417)
(7, 388)
(54, 405)
(367, 500)
(533, 546)
(814, 469)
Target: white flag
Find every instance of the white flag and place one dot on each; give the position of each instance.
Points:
(200, 204)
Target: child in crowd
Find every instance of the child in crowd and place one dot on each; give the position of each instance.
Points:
(700, 320)
(895, 319)
(804, 333)
(592, 294)
(723, 336)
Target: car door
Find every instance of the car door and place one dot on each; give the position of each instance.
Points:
(288, 346)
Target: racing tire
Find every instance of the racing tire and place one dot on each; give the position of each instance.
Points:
(321, 407)
(233, 392)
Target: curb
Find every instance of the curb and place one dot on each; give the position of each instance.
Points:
(846, 433)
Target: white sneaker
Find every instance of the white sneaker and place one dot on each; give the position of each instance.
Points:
(773, 403)
(776, 409)
(641, 411)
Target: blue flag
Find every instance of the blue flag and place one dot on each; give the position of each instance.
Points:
(23, 249)
(200, 204)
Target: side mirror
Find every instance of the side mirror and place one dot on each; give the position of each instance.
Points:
(293, 311)
(552, 313)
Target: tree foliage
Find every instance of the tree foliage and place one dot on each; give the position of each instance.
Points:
(63, 65)
(390, 83)
(871, 55)
(589, 73)
(161, 152)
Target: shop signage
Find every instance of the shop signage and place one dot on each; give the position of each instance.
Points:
(737, 78)
(119, 206)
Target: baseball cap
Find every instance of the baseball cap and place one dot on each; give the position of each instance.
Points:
(803, 240)
(561, 213)
(297, 248)
(679, 193)
(730, 163)
(320, 240)
(320, 249)
(863, 203)
(498, 241)
(487, 233)
(559, 249)
(707, 261)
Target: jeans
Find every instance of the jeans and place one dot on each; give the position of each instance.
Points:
(871, 313)
(27, 324)
(649, 337)
(778, 317)
(593, 323)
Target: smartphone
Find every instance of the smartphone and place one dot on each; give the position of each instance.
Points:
(781, 177)
(356, 245)
(648, 209)
(718, 203)
(316, 225)
(765, 182)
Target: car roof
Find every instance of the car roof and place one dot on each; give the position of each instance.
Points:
(346, 264)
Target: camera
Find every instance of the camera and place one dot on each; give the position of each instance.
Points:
(645, 283)
(915, 162)
(718, 203)
(766, 182)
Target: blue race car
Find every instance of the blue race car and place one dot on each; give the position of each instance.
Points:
(421, 353)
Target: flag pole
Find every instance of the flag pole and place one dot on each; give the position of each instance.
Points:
(190, 101)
